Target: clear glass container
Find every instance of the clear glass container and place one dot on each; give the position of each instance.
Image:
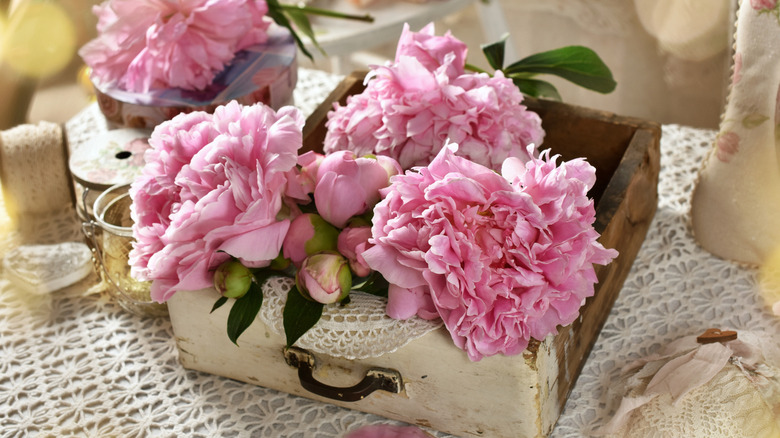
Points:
(112, 236)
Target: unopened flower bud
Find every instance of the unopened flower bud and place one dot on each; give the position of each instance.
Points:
(280, 263)
(352, 242)
(308, 234)
(324, 278)
(390, 165)
(348, 186)
(232, 279)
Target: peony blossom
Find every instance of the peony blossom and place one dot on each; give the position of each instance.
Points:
(348, 186)
(410, 108)
(433, 51)
(212, 188)
(501, 257)
(404, 303)
(153, 44)
(303, 178)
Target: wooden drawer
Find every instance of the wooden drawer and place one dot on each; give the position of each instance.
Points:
(518, 396)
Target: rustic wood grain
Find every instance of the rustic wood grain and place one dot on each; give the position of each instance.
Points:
(314, 130)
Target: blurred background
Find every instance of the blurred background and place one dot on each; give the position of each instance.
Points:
(671, 58)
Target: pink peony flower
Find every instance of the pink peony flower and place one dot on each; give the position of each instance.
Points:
(409, 109)
(387, 431)
(433, 51)
(155, 194)
(154, 44)
(212, 187)
(303, 178)
(404, 303)
(348, 186)
(501, 258)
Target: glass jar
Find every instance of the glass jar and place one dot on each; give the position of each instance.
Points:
(111, 236)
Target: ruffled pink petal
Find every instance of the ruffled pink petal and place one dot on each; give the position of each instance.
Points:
(212, 187)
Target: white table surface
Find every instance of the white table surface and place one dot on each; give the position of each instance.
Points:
(76, 364)
(340, 37)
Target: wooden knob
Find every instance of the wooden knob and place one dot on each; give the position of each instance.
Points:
(716, 335)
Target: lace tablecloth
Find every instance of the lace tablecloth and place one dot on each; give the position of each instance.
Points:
(76, 364)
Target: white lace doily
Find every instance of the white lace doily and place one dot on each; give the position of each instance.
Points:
(78, 365)
(358, 330)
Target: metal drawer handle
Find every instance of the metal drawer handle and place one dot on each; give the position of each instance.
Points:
(375, 379)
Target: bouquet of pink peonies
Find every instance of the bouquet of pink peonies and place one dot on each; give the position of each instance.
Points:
(226, 200)
(145, 45)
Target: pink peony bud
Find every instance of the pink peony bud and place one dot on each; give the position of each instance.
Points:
(349, 186)
(324, 278)
(351, 244)
(232, 279)
(391, 166)
(302, 178)
(280, 263)
(308, 235)
(310, 163)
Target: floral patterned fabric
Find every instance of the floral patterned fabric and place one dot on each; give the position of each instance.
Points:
(737, 200)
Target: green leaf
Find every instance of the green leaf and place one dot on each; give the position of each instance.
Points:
(244, 312)
(374, 284)
(537, 88)
(219, 303)
(754, 120)
(299, 315)
(276, 14)
(577, 64)
(494, 52)
(304, 25)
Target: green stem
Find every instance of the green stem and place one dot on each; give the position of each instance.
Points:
(327, 13)
(474, 68)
